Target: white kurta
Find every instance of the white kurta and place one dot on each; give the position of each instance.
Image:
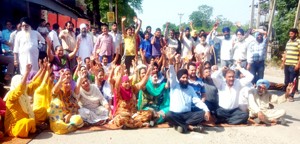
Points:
(26, 45)
(85, 47)
(187, 45)
(92, 103)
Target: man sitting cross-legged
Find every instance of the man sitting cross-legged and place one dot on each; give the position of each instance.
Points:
(229, 90)
(181, 98)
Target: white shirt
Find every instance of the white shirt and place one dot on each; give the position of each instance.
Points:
(205, 50)
(26, 45)
(117, 39)
(187, 45)
(226, 48)
(181, 99)
(229, 96)
(54, 38)
(85, 47)
(240, 50)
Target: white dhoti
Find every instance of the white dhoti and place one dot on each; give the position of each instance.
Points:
(93, 115)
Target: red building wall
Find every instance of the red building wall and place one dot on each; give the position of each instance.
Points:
(62, 19)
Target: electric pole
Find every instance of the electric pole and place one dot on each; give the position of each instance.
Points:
(180, 16)
(271, 16)
(297, 15)
(252, 14)
(258, 15)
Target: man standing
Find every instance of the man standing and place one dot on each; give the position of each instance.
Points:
(86, 43)
(256, 56)
(104, 44)
(6, 35)
(187, 44)
(94, 34)
(68, 41)
(172, 42)
(229, 90)
(182, 96)
(130, 42)
(26, 46)
(157, 43)
(226, 48)
(53, 35)
(292, 61)
(117, 40)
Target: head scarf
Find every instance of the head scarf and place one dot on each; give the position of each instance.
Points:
(187, 29)
(194, 33)
(263, 82)
(241, 31)
(25, 20)
(23, 99)
(226, 29)
(181, 72)
(82, 26)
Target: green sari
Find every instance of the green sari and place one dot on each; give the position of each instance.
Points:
(155, 98)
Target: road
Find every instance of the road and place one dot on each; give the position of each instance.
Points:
(277, 134)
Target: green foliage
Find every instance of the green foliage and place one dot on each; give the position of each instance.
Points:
(201, 17)
(284, 19)
(171, 26)
(125, 8)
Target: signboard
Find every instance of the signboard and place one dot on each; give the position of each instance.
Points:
(110, 17)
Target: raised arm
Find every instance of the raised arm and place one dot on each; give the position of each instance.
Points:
(78, 84)
(218, 78)
(166, 33)
(248, 76)
(59, 83)
(122, 25)
(16, 93)
(181, 34)
(49, 47)
(143, 82)
(139, 22)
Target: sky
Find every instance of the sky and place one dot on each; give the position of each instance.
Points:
(158, 12)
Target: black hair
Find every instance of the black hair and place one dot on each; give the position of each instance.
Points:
(294, 30)
(240, 30)
(146, 32)
(86, 59)
(158, 29)
(55, 26)
(203, 35)
(206, 62)
(191, 64)
(68, 22)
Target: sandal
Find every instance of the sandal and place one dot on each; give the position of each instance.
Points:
(291, 99)
(198, 128)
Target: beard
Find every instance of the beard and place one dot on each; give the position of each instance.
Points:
(259, 40)
(83, 34)
(70, 29)
(227, 36)
(183, 85)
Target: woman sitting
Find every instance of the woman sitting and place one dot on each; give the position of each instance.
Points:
(63, 113)
(19, 117)
(155, 97)
(94, 107)
(104, 85)
(125, 101)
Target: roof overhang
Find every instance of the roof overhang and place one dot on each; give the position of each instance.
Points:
(57, 7)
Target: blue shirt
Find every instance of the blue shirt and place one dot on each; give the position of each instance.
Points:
(6, 35)
(181, 99)
(147, 47)
(257, 51)
(198, 86)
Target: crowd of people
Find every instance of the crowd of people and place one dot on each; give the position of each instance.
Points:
(134, 79)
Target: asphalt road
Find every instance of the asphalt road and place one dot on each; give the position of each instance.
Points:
(277, 134)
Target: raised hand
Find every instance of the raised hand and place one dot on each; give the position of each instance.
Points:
(167, 24)
(123, 18)
(28, 68)
(135, 19)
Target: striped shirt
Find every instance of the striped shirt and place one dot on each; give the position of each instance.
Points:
(292, 52)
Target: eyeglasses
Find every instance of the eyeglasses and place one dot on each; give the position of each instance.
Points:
(25, 25)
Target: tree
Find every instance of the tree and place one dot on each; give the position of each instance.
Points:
(99, 9)
(201, 17)
(284, 20)
(171, 26)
